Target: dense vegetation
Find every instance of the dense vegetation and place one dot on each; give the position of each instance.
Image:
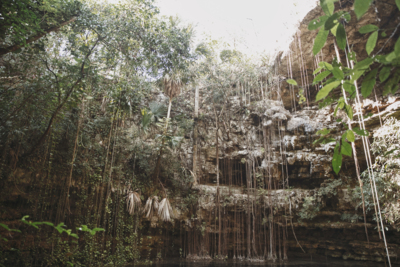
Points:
(94, 106)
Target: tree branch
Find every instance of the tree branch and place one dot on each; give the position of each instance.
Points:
(13, 48)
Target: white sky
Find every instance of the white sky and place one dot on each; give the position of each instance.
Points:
(255, 26)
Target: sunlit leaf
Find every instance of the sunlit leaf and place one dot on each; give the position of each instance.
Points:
(326, 89)
(291, 81)
(317, 70)
(371, 43)
(346, 149)
(328, 6)
(321, 76)
(368, 28)
(350, 136)
(320, 40)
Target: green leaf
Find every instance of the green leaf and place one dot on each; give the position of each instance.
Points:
(364, 64)
(398, 4)
(328, 6)
(332, 21)
(346, 148)
(325, 65)
(316, 23)
(360, 7)
(341, 37)
(368, 28)
(323, 131)
(349, 111)
(337, 159)
(321, 76)
(384, 73)
(320, 40)
(291, 81)
(317, 70)
(338, 73)
(397, 47)
(390, 57)
(48, 223)
(369, 83)
(349, 88)
(371, 43)
(334, 29)
(74, 236)
(360, 132)
(326, 89)
(350, 136)
(356, 74)
(5, 227)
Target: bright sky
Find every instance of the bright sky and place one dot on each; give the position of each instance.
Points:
(254, 26)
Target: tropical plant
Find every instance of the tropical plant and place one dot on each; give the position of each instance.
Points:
(151, 207)
(165, 211)
(133, 202)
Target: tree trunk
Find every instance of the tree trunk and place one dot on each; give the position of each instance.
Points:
(195, 134)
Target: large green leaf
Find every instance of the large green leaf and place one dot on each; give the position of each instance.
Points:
(346, 148)
(316, 23)
(391, 56)
(337, 159)
(320, 40)
(356, 74)
(321, 76)
(364, 64)
(384, 73)
(341, 36)
(369, 83)
(350, 136)
(398, 4)
(318, 70)
(397, 47)
(338, 73)
(361, 6)
(325, 65)
(368, 28)
(326, 89)
(371, 43)
(291, 81)
(333, 20)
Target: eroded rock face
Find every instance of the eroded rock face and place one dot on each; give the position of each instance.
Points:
(274, 139)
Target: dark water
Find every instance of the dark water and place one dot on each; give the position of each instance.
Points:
(292, 263)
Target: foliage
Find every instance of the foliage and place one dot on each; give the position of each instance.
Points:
(337, 74)
(313, 204)
(385, 171)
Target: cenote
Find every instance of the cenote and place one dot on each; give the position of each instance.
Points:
(128, 139)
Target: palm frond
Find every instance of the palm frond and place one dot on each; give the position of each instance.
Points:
(151, 206)
(133, 202)
(165, 212)
(158, 110)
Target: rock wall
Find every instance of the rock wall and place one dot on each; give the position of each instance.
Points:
(268, 165)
